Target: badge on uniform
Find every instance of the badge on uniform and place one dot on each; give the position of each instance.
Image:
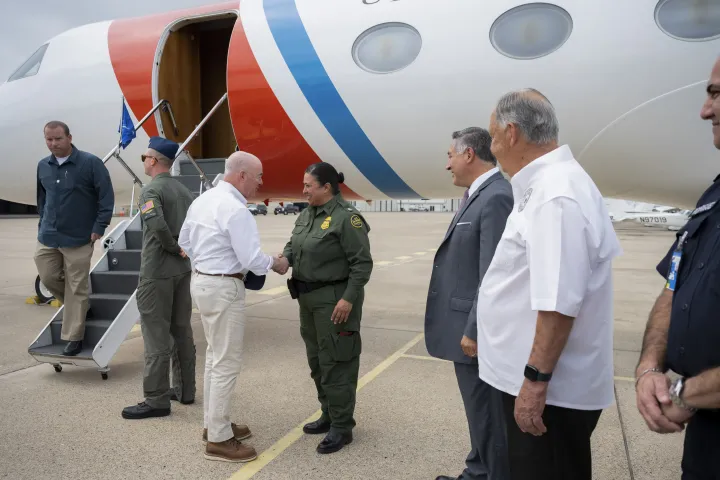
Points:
(326, 224)
(675, 264)
(355, 221)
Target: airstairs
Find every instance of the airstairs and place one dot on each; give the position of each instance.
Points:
(113, 281)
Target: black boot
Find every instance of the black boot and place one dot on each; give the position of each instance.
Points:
(334, 441)
(318, 426)
(73, 348)
(143, 410)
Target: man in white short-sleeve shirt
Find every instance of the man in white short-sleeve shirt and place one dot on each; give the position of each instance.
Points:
(545, 306)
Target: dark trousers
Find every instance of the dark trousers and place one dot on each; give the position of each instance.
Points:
(701, 454)
(333, 353)
(484, 411)
(165, 307)
(561, 453)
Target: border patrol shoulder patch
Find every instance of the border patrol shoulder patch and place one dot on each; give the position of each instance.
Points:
(356, 221)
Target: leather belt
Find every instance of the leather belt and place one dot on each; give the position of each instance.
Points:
(239, 276)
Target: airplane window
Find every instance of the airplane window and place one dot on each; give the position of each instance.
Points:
(698, 20)
(531, 31)
(387, 48)
(31, 65)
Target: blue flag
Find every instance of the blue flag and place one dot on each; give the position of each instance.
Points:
(126, 128)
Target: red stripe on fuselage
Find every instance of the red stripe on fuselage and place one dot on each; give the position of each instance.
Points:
(133, 43)
(260, 123)
(262, 126)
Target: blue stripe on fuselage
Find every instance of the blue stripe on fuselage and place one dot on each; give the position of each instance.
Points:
(302, 59)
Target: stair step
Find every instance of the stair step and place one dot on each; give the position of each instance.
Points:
(124, 282)
(107, 305)
(192, 182)
(56, 349)
(133, 239)
(211, 166)
(124, 260)
(94, 331)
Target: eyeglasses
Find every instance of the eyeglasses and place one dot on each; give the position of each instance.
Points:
(147, 156)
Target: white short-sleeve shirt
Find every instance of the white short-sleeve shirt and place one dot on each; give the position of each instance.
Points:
(554, 255)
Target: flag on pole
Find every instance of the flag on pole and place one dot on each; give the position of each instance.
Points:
(126, 128)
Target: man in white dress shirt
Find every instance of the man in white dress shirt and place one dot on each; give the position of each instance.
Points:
(545, 306)
(221, 238)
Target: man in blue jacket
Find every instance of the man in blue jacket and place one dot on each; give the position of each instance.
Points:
(75, 200)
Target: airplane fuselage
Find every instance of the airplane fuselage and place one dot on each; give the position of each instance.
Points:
(376, 87)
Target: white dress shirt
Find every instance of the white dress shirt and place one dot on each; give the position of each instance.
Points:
(554, 255)
(481, 179)
(220, 234)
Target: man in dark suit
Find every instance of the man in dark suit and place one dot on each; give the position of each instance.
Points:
(458, 269)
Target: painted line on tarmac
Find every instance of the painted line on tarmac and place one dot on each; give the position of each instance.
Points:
(284, 443)
(424, 357)
(433, 359)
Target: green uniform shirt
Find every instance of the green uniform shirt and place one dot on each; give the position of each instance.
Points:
(330, 243)
(164, 203)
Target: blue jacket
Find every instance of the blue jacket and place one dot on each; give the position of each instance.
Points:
(74, 200)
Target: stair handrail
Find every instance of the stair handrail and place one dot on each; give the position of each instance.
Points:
(115, 152)
(208, 185)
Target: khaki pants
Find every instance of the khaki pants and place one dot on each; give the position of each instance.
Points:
(65, 272)
(221, 301)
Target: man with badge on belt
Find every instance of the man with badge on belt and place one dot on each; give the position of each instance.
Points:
(163, 293)
(683, 331)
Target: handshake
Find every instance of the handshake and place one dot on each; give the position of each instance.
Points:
(280, 264)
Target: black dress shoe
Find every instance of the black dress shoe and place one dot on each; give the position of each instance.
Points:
(175, 398)
(73, 348)
(445, 477)
(318, 426)
(143, 410)
(334, 441)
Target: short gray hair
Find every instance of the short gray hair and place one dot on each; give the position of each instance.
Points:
(533, 114)
(238, 161)
(476, 138)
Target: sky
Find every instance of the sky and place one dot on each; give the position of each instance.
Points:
(27, 24)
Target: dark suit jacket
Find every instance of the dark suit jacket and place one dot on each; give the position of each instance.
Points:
(460, 265)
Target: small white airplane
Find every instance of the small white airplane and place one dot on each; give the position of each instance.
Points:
(376, 87)
(670, 218)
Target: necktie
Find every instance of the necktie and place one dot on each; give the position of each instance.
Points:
(464, 199)
(462, 202)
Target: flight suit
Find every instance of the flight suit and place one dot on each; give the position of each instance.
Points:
(691, 268)
(329, 252)
(163, 294)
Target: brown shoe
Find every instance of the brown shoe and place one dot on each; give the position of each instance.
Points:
(241, 432)
(230, 450)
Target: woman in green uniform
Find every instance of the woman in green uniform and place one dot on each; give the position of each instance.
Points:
(329, 252)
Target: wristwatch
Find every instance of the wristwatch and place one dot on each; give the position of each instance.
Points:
(676, 391)
(534, 375)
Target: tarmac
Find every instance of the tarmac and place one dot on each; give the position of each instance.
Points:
(410, 418)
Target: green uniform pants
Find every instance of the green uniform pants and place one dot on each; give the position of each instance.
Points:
(165, 309)
(333, 352)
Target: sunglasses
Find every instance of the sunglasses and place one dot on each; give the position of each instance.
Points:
(147, 156)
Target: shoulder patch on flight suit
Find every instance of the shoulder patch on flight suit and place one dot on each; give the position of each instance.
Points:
(355, 221)
(147, 206)
(525, 199)
(147, 210)
(326, 224)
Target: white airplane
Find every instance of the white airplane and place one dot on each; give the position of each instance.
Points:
(377, 86)
(672, 218)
